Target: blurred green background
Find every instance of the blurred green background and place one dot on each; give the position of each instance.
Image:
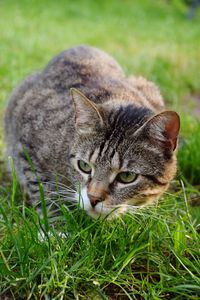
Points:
(152, 38)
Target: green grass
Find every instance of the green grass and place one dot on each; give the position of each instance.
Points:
(153, 254)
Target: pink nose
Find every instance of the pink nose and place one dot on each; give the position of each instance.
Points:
(94, 200)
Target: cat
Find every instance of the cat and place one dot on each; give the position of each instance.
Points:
(84, 123)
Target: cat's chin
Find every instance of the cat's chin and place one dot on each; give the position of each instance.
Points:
(100, 210)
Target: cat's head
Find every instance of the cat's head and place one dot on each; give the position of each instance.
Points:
(123, 154)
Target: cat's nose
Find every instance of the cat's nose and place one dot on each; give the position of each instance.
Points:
(97, 192)
(94, 200)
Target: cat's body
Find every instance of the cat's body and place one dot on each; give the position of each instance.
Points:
(113, 133)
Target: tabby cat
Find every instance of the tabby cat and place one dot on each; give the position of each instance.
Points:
(85, 124)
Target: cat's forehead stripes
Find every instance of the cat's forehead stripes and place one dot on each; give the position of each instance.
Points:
(119, 122)
(115, 162)
(94, 155)
(127, 117)
(104, 147)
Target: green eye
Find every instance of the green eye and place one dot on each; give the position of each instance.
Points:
(84, 167)
(126, 177)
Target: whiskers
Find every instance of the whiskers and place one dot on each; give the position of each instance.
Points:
(58, 195)
(138, 213)
(58, 189)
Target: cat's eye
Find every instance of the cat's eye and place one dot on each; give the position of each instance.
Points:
(84, 167)
(126, 177)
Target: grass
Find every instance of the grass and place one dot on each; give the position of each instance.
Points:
(153, 254)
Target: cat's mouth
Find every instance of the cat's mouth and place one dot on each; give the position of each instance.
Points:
(100, 210)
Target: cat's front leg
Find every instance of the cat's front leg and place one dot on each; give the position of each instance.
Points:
(31, 177)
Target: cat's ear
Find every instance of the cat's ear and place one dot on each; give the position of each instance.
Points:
(164, 129)
(87, 115)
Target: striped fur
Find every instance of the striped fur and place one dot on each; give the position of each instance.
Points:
(112, 122)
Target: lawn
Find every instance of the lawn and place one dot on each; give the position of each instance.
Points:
(153, 254)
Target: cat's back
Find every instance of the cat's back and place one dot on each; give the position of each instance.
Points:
(82, 61)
